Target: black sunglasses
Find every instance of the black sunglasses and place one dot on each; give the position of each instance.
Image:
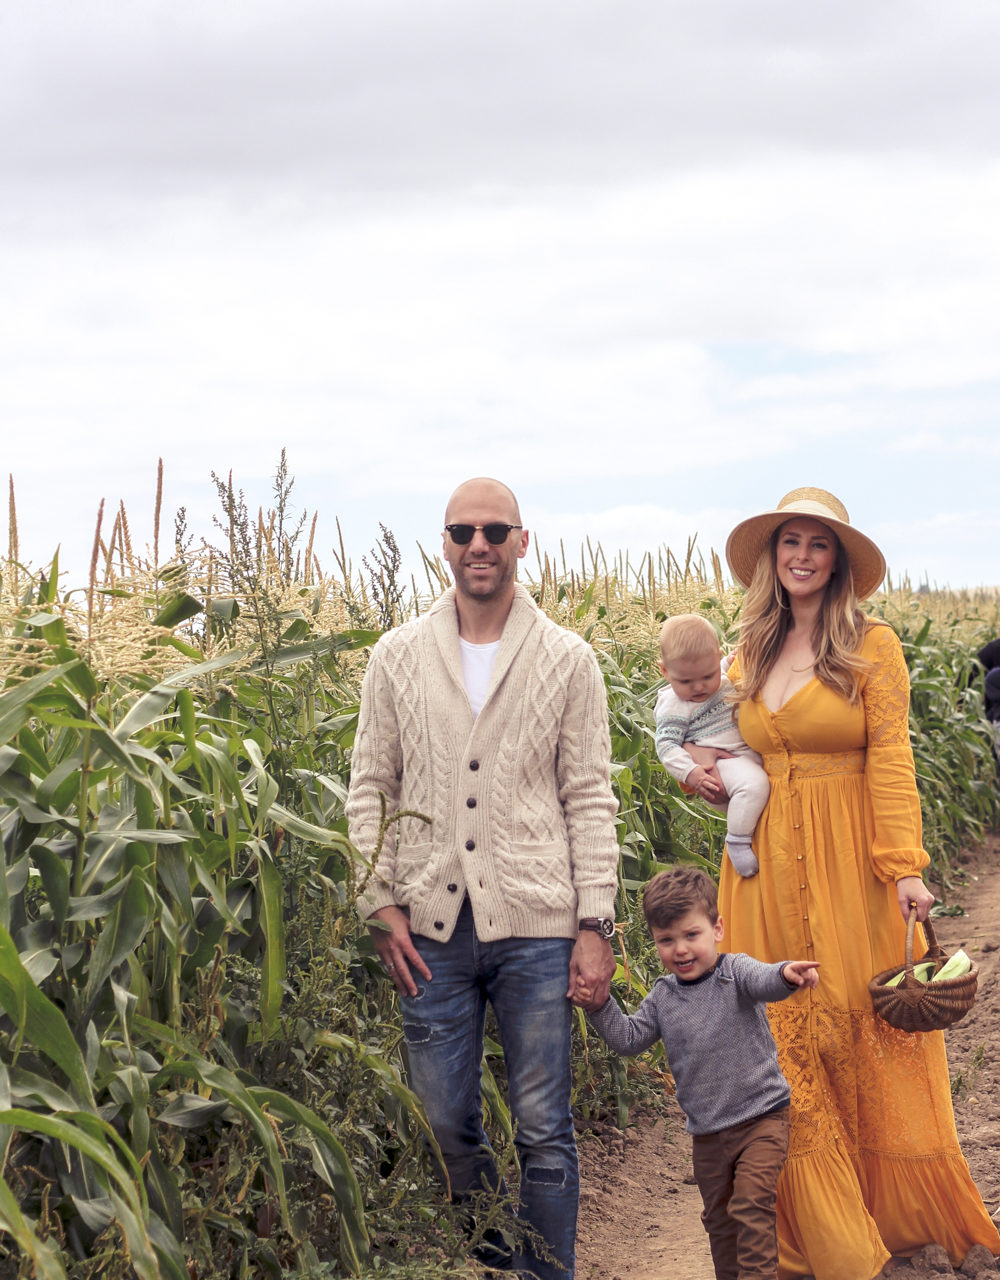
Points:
(495, 534)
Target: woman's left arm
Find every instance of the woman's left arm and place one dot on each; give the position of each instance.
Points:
(897, 851)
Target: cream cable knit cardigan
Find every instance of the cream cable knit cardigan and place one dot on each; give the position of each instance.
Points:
(519, 798)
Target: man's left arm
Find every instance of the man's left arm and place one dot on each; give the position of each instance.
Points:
(589, 807)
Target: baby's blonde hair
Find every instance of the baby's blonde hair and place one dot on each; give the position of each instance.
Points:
(686, 636)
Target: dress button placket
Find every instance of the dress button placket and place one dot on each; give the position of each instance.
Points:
(795, 806)
(798, 843)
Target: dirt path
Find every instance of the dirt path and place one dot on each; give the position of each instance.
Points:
(640, 1212)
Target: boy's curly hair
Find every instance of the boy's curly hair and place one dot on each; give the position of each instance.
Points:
(672, 894)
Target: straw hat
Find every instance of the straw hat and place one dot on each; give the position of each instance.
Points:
(748, 541)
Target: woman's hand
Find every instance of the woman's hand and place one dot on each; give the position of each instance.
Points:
(911, 890)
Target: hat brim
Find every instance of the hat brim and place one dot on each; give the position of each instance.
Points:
(748, 542)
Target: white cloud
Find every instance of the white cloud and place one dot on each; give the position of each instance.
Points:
(645, 261)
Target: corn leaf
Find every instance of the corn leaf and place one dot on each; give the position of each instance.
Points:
(39, 1021)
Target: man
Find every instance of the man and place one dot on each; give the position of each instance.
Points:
(989, 659)
(491, 720)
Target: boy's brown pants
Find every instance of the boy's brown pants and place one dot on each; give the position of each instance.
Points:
(737, 1174)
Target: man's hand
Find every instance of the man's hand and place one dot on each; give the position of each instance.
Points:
(396, 950)
(591, 968)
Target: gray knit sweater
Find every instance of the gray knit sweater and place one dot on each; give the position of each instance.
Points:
(717, 1038)
(519, 797)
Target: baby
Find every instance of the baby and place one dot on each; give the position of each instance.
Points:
(693, 708)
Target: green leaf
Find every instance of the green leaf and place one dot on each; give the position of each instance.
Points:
(123, 931)
(48, 793)
(97, 1141)
(16, 701)
(95, 906)
(164, 1199)
(226, 610)
(31, 750)
(190, 1111)
(373, 1061)
(42, 1254)
(26, 1087)
(39, 1021)
(323, 646)
(143, 712)
(298, 826)
(54, 871)
(177, 609)
(166, 1239)
(79, 675)
(172, 866)
(272, 975)
(331, 1163)
(217, 1078)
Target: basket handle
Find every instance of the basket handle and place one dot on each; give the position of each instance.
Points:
(934, 951)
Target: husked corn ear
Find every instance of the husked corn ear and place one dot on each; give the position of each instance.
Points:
(921, 972)
(955, 967)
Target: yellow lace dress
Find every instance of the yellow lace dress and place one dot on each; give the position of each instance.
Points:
(874, 1165)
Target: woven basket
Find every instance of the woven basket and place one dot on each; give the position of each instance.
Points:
(913, 1005)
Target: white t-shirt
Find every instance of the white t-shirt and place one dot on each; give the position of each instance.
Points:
(477, 670)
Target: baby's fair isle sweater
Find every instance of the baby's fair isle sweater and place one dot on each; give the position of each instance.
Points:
(716, 1035)
(708, 724)
(519, 797)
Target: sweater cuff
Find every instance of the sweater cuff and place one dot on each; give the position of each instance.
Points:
(375, 897)
(595, 903)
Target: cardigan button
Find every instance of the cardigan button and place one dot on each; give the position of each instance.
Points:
(473, 765)
(470, 845)
(453, 888)
(438, 924)
(471, 802)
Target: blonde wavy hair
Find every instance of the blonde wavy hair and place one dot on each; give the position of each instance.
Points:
(840, 628)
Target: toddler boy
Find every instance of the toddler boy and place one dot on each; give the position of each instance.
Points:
(709, 1011)
(693, 708)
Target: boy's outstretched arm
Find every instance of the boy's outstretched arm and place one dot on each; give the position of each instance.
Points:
(801, 973)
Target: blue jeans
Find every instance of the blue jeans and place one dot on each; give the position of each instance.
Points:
(525, 980)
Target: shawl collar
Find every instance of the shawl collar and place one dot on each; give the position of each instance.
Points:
(443, 619)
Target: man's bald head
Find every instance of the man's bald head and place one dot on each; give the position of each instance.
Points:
(483, 492)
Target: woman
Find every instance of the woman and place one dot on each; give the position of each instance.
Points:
(874, 1167)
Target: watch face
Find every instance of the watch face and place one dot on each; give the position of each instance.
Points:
(607, 928)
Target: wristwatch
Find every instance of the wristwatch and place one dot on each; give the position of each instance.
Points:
(606, 928)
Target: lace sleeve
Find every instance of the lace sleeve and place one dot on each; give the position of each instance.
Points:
(887, 693)
(889, 775)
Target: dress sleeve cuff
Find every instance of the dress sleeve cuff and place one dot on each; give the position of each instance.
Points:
(895, 864)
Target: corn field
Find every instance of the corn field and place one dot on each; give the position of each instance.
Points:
(201, 1065)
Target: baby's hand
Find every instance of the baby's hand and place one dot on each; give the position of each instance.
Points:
(801, 973)
(702, 782)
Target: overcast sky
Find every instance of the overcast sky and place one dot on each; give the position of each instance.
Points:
(653, 264)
